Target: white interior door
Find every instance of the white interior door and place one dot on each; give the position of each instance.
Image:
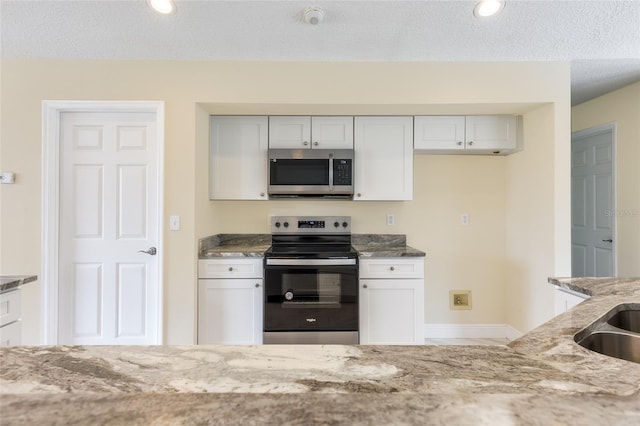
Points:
(592, 203)
(108, 288)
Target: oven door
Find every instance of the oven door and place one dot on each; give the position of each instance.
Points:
(311, 295)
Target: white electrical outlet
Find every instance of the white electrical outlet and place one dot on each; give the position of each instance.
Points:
(391, 220)
(464, 218)
(174, 223)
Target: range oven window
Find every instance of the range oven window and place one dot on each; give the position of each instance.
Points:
(304, 289)
(311, 298)
(299, 172)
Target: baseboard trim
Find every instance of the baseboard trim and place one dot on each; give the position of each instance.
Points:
(470, 331)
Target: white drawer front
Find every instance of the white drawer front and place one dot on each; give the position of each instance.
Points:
(230, 268)
(9, 307)
(392, 268)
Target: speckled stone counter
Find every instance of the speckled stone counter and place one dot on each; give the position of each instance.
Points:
(9, 282)
(542, 378)
(254, 245)
(234, 245)
(383, 245)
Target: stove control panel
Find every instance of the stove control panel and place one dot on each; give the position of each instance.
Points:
(311, 224)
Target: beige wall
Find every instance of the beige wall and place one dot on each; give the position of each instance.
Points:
(473, 257)
(621, 107)
(530, 241)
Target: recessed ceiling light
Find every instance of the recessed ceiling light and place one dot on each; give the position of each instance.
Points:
(486, 8)
(166, 7)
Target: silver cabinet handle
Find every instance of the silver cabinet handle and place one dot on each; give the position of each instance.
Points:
(459, 143)
(364, 286)
(230, 268)
(305, 143)
(257, 285)
(152, 251)
(392, 268)
(470, 143)
(359, 194)
(262, 194)
(315, 143)
(607, 241)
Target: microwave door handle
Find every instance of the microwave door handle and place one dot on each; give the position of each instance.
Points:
(331, 172)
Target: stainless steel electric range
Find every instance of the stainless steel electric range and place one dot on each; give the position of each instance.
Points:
(311, 281)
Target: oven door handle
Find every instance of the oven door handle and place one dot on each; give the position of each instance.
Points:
(311, 262)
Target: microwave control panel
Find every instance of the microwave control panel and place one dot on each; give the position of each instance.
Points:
(342, 171)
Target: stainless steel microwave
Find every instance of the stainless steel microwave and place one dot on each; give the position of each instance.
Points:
(311, 173)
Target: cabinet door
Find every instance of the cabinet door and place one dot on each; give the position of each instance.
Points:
(230, 311)
(392, 312)
(332, 132)
(439, 132)
(383, 158)
(11, 334)
(238, 158)
(290, 132)
(10, 306)
(491, 132)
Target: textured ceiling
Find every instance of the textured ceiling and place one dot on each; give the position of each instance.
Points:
(600, 38)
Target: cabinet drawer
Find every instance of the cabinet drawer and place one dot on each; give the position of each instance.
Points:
(392, 268)
(230, 268)
(11, 335)
(9, 306)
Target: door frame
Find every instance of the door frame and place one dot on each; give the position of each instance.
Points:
(51, 115)
(604, 128)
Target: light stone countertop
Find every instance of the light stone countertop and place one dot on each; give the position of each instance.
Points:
(9, 282)
(255, 245)
(542, 378)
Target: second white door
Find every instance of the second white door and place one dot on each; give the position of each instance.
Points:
(592, 204)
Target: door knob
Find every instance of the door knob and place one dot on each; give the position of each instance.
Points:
(607, 241)
(152, 251)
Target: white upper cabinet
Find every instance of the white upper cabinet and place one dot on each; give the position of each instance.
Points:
(383, 165)
(440, 132)
(238, 157)
(303, 132)
(472, 134)
(490, 132)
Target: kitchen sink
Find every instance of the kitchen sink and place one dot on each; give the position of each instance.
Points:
(618, 345)
(628, 319)
(615, 334)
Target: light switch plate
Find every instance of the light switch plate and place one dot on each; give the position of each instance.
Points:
(174, 223)
(7, 177)
(391, 220)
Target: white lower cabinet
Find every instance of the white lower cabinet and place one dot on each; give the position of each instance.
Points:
(230, 308)
(566, 299)
(10, 318)
(392, 301)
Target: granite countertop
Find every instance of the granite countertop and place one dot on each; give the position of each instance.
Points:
(383, 245)
(542, 378)
(234, 245)
(254, 245)
(9, 282)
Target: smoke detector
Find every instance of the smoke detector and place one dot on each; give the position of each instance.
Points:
(313, 15)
